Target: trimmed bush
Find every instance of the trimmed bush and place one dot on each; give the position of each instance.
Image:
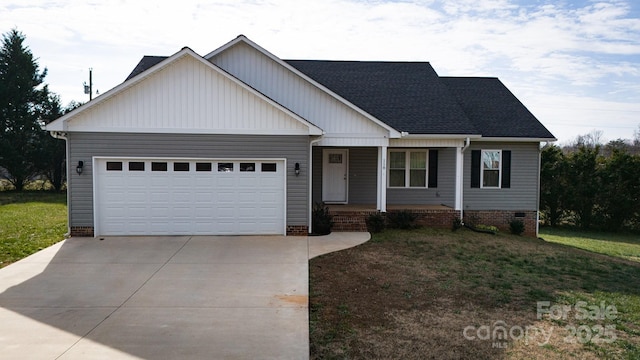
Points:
(401, 220)
(375, 222)
(516, 227)
(322, 221)
(457, 224)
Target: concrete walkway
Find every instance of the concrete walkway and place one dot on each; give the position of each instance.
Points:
(162, 298)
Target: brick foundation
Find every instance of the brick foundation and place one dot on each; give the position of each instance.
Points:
(82, 231)
(297, 230)
(502, 218)
(87, 231)
(355, 220)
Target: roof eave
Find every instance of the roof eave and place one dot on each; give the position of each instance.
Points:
(517, 139)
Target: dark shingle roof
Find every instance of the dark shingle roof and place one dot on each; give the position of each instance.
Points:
(407, 96)
(145, 63)
(494, 109)
(411, 97)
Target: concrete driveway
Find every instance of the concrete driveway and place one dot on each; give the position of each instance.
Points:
(186, 297)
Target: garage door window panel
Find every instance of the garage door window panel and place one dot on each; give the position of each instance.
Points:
(269, 167)
(136, 165)
(225, 167)
(247, 167)
(158, 166)
(202, 166)
(181, 166)
(114, 165)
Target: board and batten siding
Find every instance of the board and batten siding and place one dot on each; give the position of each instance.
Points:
(444, 194)
(187, 96)
(84, 146)
(524, 191)
(296, 93)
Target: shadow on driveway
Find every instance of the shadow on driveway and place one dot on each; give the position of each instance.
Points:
(158, 298)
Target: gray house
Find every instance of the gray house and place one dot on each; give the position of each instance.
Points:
(241, 142)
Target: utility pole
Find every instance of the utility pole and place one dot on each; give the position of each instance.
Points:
(88, 89)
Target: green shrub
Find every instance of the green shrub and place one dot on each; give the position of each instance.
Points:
(516, 227)
(401, 220)
(322, 221)
(457, 224)
(375, 222)
(487, 228)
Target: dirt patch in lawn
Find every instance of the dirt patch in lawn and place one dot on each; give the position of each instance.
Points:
(449, 295)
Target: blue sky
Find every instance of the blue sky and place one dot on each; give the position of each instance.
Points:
(574, 64)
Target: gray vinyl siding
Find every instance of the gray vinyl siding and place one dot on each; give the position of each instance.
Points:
(83, 146)
(523, 193)
(363, 175)
(316, 185)
(444, 194)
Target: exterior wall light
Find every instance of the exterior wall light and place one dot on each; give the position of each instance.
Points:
(79, 167)
(297, 169)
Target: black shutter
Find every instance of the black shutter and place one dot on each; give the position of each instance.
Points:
(475, 168)
(433, 168)
(506, 169)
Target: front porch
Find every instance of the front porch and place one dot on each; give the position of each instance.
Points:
(352, 217)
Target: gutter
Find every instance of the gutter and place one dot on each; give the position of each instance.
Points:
(63, 136)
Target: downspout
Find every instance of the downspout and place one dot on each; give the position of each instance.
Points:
(63, 136)
(310, 171)
(467, 143)
(538, 189)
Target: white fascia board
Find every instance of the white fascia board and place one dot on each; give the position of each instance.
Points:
(313, 130)
(393, 133)
(197, 131)
(516, 139)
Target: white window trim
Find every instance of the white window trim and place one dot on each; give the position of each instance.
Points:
(407, 169)
(482, 169)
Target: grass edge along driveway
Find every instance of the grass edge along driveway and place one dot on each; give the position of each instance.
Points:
(30, 221)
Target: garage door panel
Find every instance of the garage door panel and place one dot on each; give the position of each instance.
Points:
(206, 202)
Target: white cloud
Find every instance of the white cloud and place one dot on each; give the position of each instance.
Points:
(547, 53)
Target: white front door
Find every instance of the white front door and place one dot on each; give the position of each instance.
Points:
(335, 175)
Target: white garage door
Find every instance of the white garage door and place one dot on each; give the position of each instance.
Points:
(189, 197)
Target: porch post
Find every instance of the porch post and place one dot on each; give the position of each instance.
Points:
(459, 178)
(382, 179)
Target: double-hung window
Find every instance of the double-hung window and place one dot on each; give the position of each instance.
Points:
(491, 168)
(408, 169)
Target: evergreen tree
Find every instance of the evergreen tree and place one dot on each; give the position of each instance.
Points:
(52, 152)
(552, 184)
(21, 97)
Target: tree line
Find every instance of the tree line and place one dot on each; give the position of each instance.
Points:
(591, 185)
(26, 105)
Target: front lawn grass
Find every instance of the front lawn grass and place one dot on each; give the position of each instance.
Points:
(626, 246)
(412, 294)
(30, 221)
